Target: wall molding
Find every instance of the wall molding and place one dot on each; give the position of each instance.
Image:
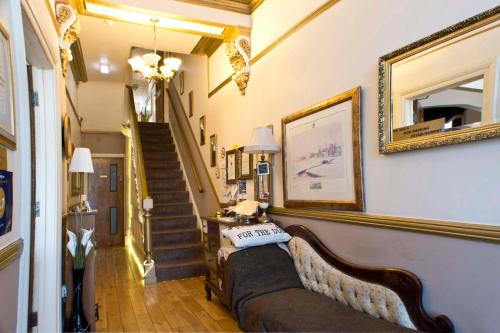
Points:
(207, 46)
(238, 6)
(10, 253)
(299, 25)
(478, 232)
(73, 107)
(78, 63)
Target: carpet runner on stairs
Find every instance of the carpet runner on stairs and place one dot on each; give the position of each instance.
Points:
(177, 244)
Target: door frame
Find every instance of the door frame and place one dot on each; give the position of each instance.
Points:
(48, 232)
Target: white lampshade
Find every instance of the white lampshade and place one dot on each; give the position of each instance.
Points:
(262, 142)
(136, 63)
(81, 161)
(151, 59)
(173, 63)
(167, 71)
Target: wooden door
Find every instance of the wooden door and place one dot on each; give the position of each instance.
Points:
(106, 195)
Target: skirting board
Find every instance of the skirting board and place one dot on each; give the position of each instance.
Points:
(478, 232)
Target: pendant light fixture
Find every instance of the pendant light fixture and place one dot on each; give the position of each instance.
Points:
(147, 65)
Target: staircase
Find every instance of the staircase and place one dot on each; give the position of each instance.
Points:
(177, 244)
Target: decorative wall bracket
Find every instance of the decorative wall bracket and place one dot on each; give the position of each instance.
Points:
(69, 29)
(238, 52)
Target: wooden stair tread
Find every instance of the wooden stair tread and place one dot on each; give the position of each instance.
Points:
(171, 217)
(175, 231)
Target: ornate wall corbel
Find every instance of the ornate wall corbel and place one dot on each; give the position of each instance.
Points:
(69, 29)
(238, 52)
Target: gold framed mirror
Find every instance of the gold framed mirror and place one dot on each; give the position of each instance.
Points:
(442, 89)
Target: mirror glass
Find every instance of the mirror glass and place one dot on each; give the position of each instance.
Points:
(443, 86)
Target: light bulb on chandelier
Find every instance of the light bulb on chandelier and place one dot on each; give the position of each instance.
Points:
(147, 65)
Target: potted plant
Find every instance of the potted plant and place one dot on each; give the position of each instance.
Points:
(79, 246)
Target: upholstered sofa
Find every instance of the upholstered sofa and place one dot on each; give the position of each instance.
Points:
(312, 289)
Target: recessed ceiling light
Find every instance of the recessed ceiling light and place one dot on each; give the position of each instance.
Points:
(109, 22)
(104, 68)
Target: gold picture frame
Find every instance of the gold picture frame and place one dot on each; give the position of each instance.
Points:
(181, 83)
(322, 164)
(232, 166)
(190, 104)
(8, 110)
(245, 164)
(203, 130)
(213, 150)
(472, 27)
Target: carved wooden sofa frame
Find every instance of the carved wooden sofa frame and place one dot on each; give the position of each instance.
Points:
(404, 287)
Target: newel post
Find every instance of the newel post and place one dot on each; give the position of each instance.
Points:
(149, 264)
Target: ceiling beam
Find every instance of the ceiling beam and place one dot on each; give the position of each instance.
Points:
(206, 46)
(78, 63)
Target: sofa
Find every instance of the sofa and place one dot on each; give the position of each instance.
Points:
(310, 289)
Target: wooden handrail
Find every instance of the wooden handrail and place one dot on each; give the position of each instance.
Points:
(192, 164)
(137, 145)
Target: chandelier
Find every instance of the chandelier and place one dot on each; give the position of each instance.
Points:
(147, 65)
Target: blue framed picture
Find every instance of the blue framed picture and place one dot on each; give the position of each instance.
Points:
(5, 202)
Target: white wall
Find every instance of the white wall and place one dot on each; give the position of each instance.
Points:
(334, 53)
(102, 106)
(337, 51)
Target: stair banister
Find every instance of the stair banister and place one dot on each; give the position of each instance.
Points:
(145, 202)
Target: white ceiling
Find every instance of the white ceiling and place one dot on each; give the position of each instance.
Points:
(112, 43)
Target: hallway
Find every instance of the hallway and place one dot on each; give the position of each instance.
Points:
(127, 305)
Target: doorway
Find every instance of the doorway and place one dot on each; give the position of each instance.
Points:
(106, 194)
(40, 289)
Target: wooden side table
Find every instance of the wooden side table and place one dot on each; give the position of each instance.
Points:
(213, 240)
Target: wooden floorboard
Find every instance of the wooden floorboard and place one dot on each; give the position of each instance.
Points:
(127, 305)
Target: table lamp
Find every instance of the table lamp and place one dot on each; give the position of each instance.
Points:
(262, 142)
(81, 162)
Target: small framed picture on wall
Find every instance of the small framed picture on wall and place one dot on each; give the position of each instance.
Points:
(245, 163)
(7, 104)
(202, 130)
(190, 101)
(181, 82)
(213, 150)
(231, 166)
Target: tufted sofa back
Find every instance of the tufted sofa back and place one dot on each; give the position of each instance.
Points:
(319, 276)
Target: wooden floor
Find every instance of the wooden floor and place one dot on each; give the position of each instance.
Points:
(127, 305)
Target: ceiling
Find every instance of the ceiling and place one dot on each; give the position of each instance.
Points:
(111, 43)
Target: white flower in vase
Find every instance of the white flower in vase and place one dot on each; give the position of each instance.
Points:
(72, 243)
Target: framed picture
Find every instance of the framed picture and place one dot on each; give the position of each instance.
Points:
(202, 130)
(245, 164)
(181, 82)
(231, 166)
(76, 181)
(190, 98)
(7, 103)
(213, 150)
(6, 200)
(322, 155)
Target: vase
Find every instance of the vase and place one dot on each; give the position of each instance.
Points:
(78, 321)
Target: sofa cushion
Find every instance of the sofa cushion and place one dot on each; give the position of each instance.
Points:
(300, 310)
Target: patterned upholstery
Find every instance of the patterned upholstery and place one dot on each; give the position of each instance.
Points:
(317, 275)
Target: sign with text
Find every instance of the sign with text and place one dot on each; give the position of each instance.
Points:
(417, 130)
